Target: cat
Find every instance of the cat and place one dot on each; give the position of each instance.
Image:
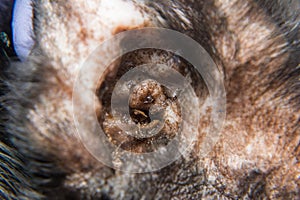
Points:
(255, 45)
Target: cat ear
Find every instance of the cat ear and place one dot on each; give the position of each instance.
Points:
(22, 28)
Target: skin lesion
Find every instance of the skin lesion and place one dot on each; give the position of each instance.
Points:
(141, 112)
(257, 155)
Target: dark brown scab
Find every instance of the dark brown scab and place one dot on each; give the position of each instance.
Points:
(148, 101)
(144, 96)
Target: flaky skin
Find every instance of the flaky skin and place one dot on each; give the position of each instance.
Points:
(255, 45)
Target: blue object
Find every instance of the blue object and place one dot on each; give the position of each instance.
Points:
(22, 28)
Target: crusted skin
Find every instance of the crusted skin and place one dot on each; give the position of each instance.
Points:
(255, 45)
